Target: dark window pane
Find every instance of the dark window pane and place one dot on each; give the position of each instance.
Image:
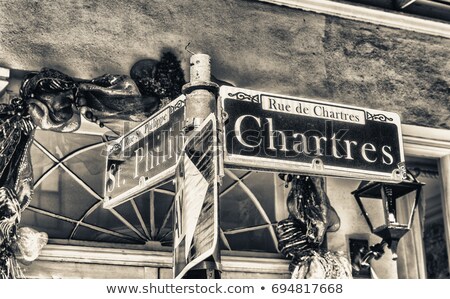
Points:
(237, 210)
(62, 144)
(90, 167)
(104, 218)
(143, 204)
(227, 181)
(59, 193)
(258, 240)
(262, 186)
(127, 212)
(436, 250)
(167, 186)
(55, 228)
(239, 173)
(162, 205)
(40, 162)
(87, 234)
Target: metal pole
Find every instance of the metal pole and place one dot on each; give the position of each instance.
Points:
(444, 173)
(201, 101)
(200, 91)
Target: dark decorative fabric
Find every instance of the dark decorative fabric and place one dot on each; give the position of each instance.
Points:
(301, 235)
(162, 79)
(54, 101)
(16, 181)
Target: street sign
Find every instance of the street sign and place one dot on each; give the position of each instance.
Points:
(146, 156)
(196, 199)
(278, 133)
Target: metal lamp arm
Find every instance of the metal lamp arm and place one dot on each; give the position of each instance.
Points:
(375, 252)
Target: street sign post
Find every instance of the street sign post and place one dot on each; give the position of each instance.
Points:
(146, 156)
(277, 133)
(196, 200)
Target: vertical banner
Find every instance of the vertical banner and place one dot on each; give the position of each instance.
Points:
(196, 199)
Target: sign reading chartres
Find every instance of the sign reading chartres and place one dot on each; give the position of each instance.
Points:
(146, 156)
(195, 226)
(271, 132)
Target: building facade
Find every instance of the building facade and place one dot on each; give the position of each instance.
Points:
(338, 52)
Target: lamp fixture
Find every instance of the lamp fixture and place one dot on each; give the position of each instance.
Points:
(391, 223)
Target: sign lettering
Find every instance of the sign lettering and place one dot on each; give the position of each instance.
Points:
(146, 156)
(284, 134)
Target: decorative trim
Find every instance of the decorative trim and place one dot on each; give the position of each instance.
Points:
(378, 117)
(369, 15)
(178, 105)
(107, 256)
(425, 142)
(245, 97)
(152, 258)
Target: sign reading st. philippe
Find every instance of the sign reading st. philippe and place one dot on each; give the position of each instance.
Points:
(271, 132)
(146, 156)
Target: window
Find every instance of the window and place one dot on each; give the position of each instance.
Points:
(67, 202)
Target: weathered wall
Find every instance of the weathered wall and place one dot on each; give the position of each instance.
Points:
(398, 70)
(255, 45)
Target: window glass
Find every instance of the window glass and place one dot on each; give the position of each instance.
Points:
(55, 228)
(88, 166)
(59, 193)
(87, 234)
(62, 144)
(40, 161)
(257, 240)
(246, 202)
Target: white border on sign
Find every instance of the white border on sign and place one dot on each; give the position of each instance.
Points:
(271, 165)
(162, 177)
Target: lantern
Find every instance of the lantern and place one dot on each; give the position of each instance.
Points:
(389, 211)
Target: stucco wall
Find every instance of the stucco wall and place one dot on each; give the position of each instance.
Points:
(398, 70)
(255, 45)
